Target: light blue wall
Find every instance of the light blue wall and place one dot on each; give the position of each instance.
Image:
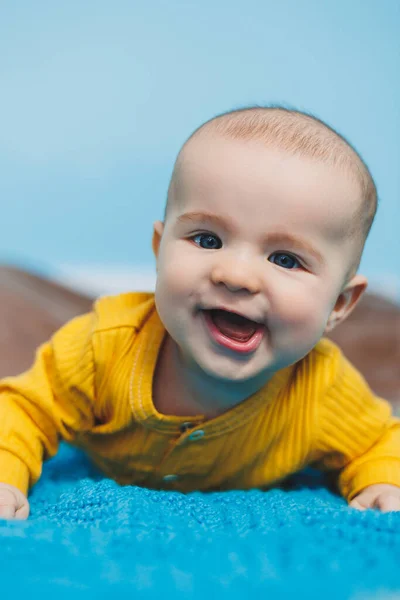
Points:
(97, 97)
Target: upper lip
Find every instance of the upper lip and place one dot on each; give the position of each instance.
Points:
(236, 312)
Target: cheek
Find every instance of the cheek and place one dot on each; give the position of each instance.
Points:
(309, 307)
(175, 276)
(176, 266)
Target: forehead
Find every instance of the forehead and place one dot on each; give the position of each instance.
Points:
(248, 178)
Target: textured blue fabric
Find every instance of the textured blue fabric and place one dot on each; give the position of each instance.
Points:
(87, 537)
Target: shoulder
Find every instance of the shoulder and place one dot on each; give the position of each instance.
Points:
(349, 416)
(327, 351)
(324, 362)
(327, 372)
(123, 310)
(329, 355)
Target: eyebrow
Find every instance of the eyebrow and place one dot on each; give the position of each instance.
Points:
(272, 238)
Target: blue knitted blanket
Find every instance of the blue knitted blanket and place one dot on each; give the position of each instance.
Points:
(87, 537)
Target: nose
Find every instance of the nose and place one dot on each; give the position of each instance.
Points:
(236, 275)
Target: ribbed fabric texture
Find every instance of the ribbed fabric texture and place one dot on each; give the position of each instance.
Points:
(92, 385)
(87, 538)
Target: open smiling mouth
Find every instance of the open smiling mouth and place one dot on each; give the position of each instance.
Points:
(233, 331)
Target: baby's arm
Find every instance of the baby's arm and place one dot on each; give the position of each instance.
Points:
(372, 479)
(357, 436)
(52, 400)
(363, 445)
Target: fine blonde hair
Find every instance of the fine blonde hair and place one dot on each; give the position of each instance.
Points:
(300, 133)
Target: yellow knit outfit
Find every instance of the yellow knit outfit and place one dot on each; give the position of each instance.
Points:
(91, 385)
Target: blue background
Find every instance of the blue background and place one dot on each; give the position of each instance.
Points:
(97, 98)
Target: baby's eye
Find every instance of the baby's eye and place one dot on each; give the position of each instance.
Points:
(209, 241)
(287, 261)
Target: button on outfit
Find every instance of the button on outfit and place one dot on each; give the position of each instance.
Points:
(196, 435)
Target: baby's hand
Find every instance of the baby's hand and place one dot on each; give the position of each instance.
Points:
(13, 504)
(383, 496)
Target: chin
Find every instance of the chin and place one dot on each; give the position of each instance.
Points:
(229, 373)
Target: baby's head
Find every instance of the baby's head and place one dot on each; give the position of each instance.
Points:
(267, 215)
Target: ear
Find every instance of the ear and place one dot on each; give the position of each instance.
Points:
(347, 301)
(158, 229)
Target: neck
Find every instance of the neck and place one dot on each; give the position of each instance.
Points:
(184, 389)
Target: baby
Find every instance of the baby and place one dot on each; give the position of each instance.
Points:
(222, 379)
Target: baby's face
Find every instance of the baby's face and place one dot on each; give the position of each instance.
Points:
(258, 232)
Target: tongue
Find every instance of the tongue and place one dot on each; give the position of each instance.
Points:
(233, 326)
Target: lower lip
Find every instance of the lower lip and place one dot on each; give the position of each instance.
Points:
(241, 347)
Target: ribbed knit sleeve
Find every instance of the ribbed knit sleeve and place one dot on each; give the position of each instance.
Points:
(357, 433)
(53, 399)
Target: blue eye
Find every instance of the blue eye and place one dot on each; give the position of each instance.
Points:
(287, 260)
(208, 241)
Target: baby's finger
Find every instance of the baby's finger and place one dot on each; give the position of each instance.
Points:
(8, 503)
(388, 503)
(7, 511)
(23, 512)
(356, 504)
